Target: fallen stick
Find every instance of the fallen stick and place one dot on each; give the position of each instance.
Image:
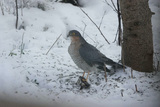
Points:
(53, 44)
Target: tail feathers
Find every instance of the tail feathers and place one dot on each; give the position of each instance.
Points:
(114, 66)
(117, 66)
(103, 69)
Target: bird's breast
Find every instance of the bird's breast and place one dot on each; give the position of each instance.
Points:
(73, 50)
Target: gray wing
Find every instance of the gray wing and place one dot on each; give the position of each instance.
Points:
(92, 56)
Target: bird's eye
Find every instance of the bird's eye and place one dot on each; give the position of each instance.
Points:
(73, 34)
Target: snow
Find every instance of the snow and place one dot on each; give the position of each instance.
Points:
(34, 77)
(154, 5)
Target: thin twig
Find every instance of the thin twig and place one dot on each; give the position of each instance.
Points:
(119, 30)
(22, 3)
(102, 19)
(105, 72)
(86, 34)
(22, 46)
(84, 28)
(95, 25)
(114, 6)
(2, 9)
(136, 88)
(122, 92)
(114, 9)
(16, 14)
(11, 52)
(131, 73)
(122, 53)
(70, 76)
(115, 36)
(54, 43)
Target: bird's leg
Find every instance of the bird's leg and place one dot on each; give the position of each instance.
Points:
(83, 74)
(82, 78)
(83, 82)
(105, 72)
(87, 76)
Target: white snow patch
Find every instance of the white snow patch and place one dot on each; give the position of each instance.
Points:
(37, 77)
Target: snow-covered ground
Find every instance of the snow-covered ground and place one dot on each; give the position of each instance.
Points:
(35, 77)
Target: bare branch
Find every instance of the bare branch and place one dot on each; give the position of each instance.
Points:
(86, 34)
(114, 9)
(2, 9)
(131, 73)
(122, 53)
(53, 44)
(22, 3)
(136, 88)
(102, 19)
(16, 14)
(22, 46)
(114, 6)
(105, 72)
(95, 25)
(84, 27)
(119, 30)
(116, 36)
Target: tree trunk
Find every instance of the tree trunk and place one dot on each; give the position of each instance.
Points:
(137, 46)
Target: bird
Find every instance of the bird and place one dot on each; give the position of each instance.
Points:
(87, 57)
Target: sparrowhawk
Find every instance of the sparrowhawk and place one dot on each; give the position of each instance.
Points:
(86, 56)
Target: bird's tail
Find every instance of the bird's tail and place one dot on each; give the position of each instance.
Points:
(103, 69)
(114, 65)
(117, 66)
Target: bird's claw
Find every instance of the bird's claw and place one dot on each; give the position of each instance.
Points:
(83, 83)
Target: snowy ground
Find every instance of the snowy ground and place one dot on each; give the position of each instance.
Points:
(48, 79)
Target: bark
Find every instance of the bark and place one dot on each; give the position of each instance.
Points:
(137, 46)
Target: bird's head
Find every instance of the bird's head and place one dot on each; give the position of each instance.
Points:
(75, 35)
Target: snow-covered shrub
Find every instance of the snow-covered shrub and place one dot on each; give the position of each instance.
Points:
(41, 6)
(9, 5)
